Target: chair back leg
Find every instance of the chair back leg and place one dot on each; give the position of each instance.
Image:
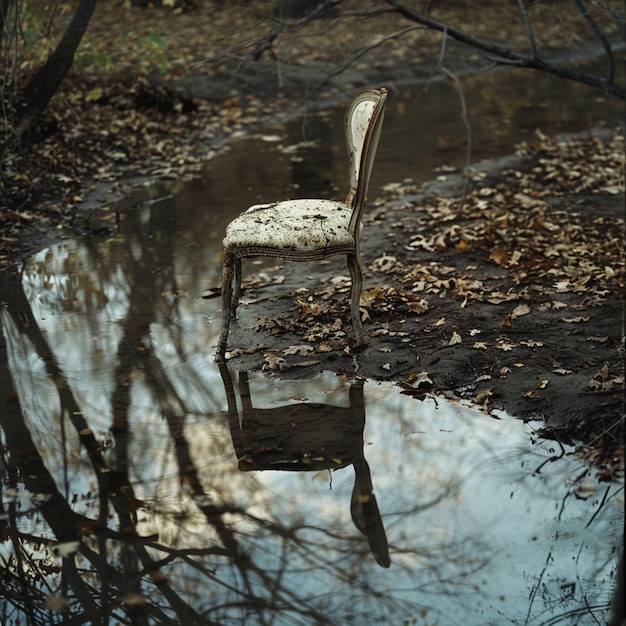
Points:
(227, 298)
(237, 288)
(354, 265)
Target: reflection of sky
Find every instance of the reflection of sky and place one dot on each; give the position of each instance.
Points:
(474, 531)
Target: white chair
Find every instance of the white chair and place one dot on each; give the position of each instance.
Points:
(310, 229)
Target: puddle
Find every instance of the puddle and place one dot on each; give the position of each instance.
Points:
(130, 484)
(146, 502)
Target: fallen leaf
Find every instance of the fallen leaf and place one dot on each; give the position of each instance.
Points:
(57, 603)
(520, 310)
(66, 548)
(532, 395)
(419, 306)
(273, 362)
(307, 363)
(483, 397)
(585, 491)
(422, 379)
(456, 338)
(499, 256)
(300, 350)
(134, 599)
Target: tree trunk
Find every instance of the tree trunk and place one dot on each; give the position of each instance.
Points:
(43, 85)
(5, 5)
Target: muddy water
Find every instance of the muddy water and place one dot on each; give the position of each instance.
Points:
(142, 484)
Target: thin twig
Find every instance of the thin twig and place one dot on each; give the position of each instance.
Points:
(603, 40)
(357, 55)
(529, 28)
(464, 114)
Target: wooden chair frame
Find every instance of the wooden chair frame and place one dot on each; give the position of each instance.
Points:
(311, 229)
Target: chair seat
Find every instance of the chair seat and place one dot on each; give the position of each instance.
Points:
(292, 225)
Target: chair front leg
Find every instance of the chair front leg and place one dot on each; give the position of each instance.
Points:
(227, 296)
(354, 266)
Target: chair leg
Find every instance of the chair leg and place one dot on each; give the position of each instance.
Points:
(237, 289)
(227, 296)
(355, 296)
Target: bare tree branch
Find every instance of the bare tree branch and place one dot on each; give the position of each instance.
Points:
(506, 55)
(616, 14)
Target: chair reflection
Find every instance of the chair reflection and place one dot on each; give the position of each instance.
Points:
(307, 436)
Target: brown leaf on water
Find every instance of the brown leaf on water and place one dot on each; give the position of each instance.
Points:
(134, 599)
(57, 604)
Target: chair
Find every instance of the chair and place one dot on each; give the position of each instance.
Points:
(308, 437)
(309, 230)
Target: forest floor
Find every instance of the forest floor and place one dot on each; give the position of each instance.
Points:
(510, 296)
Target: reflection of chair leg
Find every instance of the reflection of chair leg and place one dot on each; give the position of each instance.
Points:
(365, 513)
(227, 294)
(355, 297)
(244, 393)
(233, 416)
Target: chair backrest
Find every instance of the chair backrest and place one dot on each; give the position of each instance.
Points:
(363, 123)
